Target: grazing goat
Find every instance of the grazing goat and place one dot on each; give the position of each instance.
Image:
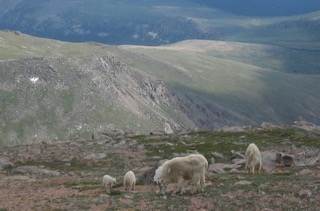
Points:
(253, 159)
(129, 181)
(108, 182)
(180, 169)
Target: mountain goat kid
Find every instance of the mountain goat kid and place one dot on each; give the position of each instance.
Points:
(180, 169)
(129, 181)
(253, 158)
(108, 182)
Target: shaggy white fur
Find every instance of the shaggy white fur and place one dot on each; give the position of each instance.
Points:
(253, 159)
(180, 169)
(108, 182)
(129, 181)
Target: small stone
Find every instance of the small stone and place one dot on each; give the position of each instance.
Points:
(243, 182)
(234, 171)
(305, 193)
(267, 209)
(217, 154)
(5, 164)
(305, 172)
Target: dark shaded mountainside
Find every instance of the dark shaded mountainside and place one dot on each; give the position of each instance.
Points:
(157, 22)
(52, 90)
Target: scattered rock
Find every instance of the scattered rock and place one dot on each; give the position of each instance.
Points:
(169, 144)
(237, 155)
(212, 160)
(216, 169)
(5, 164)
(243, 182)
(238, 161)
(305, 193)
(121, 145)
(268, 125)
(217, 154)
(286, 160)
(234, 171)
(305, 172)
(126, 196)
(220, 167)
(309, 153)
(267, 209)
(50, 173)
(231, 166)
(95, 156)
(308, 126)
(233, 129)
(167, 129)
(141, 147)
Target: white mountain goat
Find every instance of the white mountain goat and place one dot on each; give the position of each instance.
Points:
(129, 181)
(180, 169)
(108, 182)
(203, 174)
(253, 159)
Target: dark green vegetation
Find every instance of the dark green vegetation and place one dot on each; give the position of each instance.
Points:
(80, 181)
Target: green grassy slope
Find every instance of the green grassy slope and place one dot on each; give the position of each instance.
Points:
(237, 77)
(15, 45)
(204, 84)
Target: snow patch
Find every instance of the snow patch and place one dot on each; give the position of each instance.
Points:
(34, 79)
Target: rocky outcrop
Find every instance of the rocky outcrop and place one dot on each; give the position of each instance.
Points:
(308, 126)
(284, 159)
(5, 164)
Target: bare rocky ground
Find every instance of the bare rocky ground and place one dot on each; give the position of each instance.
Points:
(67, 175)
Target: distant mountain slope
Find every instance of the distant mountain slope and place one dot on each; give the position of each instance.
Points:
(53, 90)
(239, 83)
(162, 22)
(265, 8)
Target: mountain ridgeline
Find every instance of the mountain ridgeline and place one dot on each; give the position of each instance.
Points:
(158, 22)
(53, 90)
